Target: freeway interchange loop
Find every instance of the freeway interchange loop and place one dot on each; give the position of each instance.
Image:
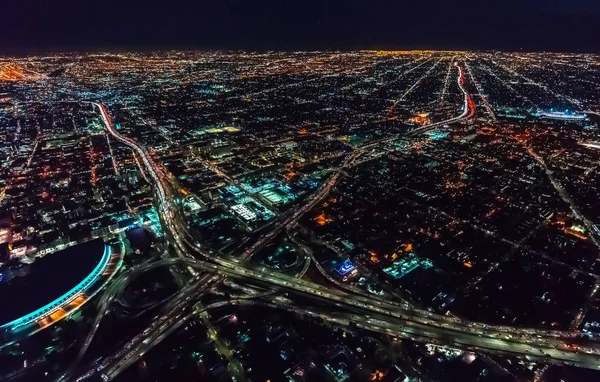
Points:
(347, 308)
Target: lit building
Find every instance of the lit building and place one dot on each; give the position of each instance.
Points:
(244, 212)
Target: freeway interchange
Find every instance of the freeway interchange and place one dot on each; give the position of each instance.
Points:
(347, 308)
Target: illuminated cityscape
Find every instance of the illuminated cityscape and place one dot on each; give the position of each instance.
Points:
(365, 215)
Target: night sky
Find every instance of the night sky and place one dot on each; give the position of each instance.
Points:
(29, 26)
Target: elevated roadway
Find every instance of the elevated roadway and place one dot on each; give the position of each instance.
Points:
(392, 318)
(407, 322)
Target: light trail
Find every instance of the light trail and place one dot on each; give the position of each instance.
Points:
(363, 80)
(508, 86)
(134, 352)
(305, 81)
(413, 86)
(469, 104)
(532, 342)
(37, 143)
(478, 87)
(446, 80)
(573, 101)
(233, 268)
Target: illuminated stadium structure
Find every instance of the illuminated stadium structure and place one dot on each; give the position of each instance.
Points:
(72, 294)
(566, 115)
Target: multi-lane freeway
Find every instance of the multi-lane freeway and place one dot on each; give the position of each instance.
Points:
(370, 314)
(351, 309)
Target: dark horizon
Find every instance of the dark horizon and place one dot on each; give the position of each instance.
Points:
(530, 25)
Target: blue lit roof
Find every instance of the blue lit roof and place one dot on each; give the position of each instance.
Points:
(346, 267)
(49, 279)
